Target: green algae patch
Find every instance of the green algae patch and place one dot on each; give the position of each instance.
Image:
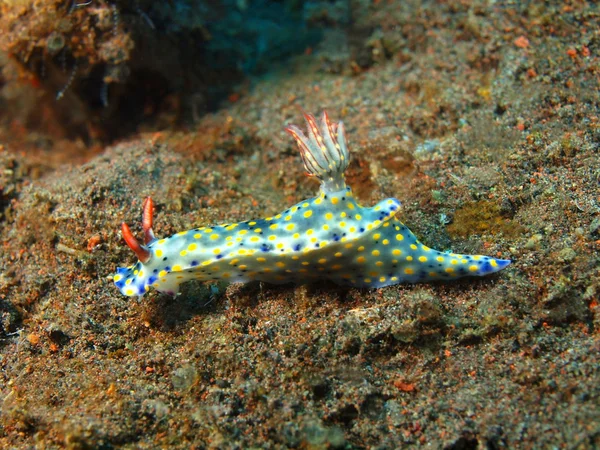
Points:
(482, 216)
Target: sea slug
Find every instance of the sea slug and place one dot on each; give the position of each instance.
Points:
(328, 237)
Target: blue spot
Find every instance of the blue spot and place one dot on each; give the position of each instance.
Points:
(297, 247)
(194, 263)
(152, 280)
(219, 256)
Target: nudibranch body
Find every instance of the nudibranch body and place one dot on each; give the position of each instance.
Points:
(329, 237)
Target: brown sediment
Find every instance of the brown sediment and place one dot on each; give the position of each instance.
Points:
(497, 131)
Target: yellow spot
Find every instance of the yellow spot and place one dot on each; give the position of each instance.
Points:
(326, 227)
(278, 216)
(177, 268)
(242, 232)
(162, 273)
(409, 271)
(358, 217)
(382, 279)
(449, 269)
(231, 227)
(181, 233)
(367, 280)
(385, 242)
(208, 230)
(473, 268)
(214, 237)
(309, 231)
(162, 241)
(425, 248)
(361, 259)
(117, 277)
(350, 206)
(322, 261)
(440, 259)
(305, 263)
(336, 266)
(242, 251)
(377, 208)
(273, 227)
(376, 222)
(279, 264)
(272, 237)
(318, 201)
(361, 248)
(252, 223)
(335, 200)
(349, 245)
(158, 252)
(257, 230)
(413, 246)
(422, 259)
(463, 261)
(453, 262)
(379, 263)
(493, 263)
(234, 261)
(313, 240)
(216, 251)
(226, 275)
(129, 292)
(183, 252)
(342, 224)
(243, 267)
(375, 253)
(296, 235)
(409, 258)
(329, 216)
(280, 245)
(206, 263)
(432, 274)
(343, 214)
(305, 205)
(135, 272)
(338, 255)
(197, 236)
(288, 218)
(290, 226)
(399, 237)
(396, 252)
(394, 278)
(254, 239)
(261, 259)
(376, 236)
(352, 229)
(192, 247)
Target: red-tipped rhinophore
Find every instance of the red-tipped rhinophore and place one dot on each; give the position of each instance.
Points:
(147, 215)
(141, 252)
